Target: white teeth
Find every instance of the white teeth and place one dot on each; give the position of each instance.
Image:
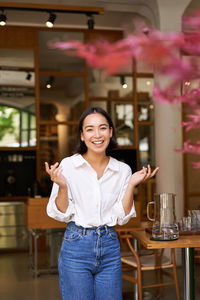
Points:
(98, 142)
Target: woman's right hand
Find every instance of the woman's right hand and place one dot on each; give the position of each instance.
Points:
(55, 173)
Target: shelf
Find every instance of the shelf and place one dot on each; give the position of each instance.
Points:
(144, 75)
(61, 73)
(110, 99)
(149, 123)
(58, 123)
(48, 138)
(14, 198)
(10, 68)
(125, 148)
(34, 148)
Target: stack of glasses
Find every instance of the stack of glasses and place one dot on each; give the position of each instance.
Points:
(191, 222)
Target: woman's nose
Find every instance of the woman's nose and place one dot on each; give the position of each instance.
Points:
(97, 133)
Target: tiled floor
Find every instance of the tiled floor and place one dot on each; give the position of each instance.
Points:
(18, 283)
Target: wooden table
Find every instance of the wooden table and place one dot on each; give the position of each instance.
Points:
(187, 243)
(39, 224)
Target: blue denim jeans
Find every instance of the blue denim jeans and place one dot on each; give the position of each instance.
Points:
(89, 264)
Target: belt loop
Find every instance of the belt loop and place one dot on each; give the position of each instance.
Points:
(98, 231)
(84, 231)
(106, 227)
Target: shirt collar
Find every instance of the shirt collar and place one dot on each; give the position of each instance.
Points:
(78, 160)
(113, 164)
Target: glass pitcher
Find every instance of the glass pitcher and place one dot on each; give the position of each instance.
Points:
(164, 226)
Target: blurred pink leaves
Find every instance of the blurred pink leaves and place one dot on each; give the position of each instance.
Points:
(161, 52)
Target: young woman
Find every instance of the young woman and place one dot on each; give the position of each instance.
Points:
(92, 192)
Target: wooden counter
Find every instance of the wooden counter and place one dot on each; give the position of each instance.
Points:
(37, 217)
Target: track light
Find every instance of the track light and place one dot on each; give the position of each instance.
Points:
(90, 22)
(51, 11)
(123, 83)
(28, 76)
(3, 19)
(49, 82)
(51, 20)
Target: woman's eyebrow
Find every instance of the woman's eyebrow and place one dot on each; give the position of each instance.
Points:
(99, 125)
(103, 124)
(88, 126)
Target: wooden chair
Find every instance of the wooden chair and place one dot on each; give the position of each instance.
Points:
(132, 260)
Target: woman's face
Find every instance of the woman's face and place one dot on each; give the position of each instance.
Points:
(96, 133)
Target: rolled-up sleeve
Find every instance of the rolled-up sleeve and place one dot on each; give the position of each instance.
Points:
(118, 209)
(54, 212)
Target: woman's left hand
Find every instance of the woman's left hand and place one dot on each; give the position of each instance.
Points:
(142, 175)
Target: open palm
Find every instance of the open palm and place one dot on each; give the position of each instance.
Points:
(142, 175)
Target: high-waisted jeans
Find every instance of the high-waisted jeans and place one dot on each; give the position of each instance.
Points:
(89, 264)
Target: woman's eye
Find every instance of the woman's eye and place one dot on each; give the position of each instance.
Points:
(103, 128)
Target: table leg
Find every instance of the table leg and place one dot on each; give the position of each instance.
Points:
(30, 249)
(136, 295)
(189, 282)
(36, 236)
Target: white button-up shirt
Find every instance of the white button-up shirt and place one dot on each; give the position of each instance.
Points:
(92, 201)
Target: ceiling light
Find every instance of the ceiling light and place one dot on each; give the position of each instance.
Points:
(3, 19)
(187, 83)
(90, 22)
(148, 82)
(123, 83)
(28, 76)
(49, 82)
(51, 20)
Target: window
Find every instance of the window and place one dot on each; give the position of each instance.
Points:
(17, 127)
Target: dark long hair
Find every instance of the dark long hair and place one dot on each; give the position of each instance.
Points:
(80, 146)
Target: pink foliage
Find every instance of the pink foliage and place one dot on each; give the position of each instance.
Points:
(193, 20)
(196, 165)
(100, 54)
(191, 44)
(160, 51)
(169, 95)
(190, 148)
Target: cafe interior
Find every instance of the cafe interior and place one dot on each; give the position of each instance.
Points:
(43, 92)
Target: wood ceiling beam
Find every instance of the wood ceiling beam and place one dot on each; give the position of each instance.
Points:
(52, 7)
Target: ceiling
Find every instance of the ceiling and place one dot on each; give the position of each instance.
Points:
(117, 13)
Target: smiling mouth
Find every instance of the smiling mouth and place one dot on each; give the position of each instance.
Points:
(98, 143)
